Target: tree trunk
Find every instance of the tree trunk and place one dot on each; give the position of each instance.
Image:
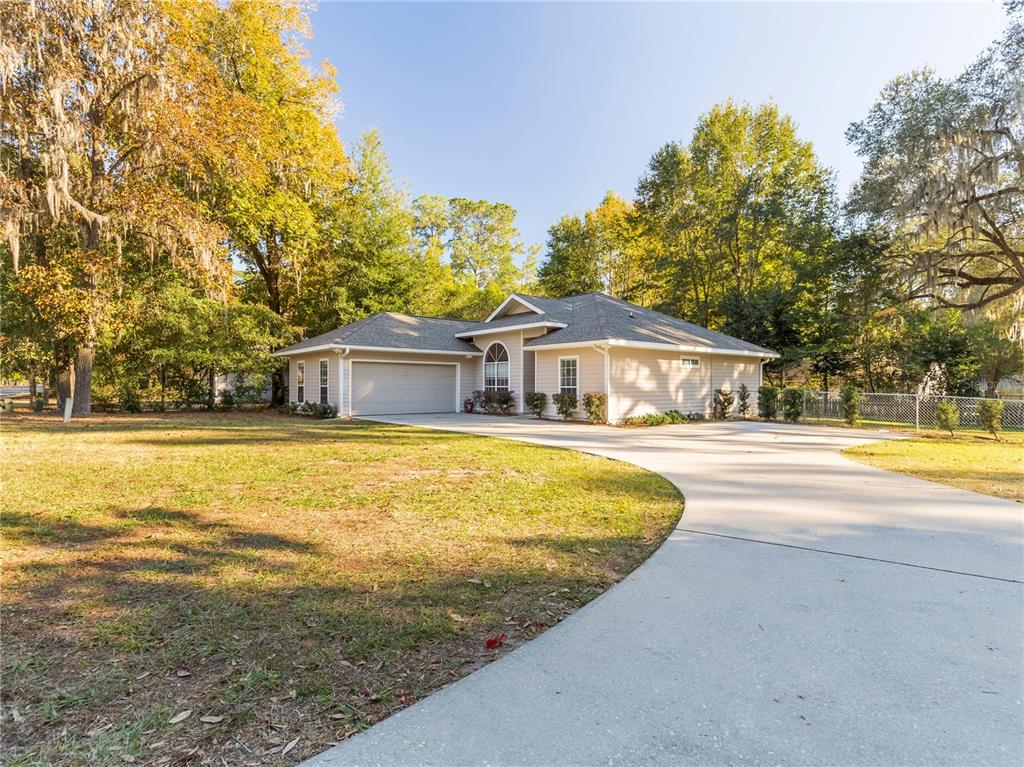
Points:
(64, 378)
(32, 386)
(278, 385)
(83, 380)
(212, 401)
(990, 387)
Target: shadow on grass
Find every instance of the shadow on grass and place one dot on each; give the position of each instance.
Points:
(256, 618)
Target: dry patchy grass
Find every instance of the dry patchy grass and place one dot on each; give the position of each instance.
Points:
(299, 579)
(969, 460)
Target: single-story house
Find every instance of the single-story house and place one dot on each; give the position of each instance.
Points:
(644, 361)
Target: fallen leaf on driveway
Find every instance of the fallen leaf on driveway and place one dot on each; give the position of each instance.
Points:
(496, 641)
(289, 747)
(180, 717)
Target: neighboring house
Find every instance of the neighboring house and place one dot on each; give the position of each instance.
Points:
(643, 360)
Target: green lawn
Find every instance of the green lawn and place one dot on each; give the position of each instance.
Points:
(972, 461)
(282, 578)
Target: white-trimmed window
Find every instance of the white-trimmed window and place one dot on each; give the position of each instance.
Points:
(689, 362)
(324, 378)
(496, 368)
(568, 375)
(300, 381)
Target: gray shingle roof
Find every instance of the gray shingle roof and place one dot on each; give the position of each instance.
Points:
(555, 310)
(394, 331)
(589, 317)
(596, 317)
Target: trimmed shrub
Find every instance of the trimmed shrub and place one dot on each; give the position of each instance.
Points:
(38, 405)
(535, 402)
(479, 399)
(723, 404)
(743, 405)
(655, 419)
(947, 416)
(767, 402)
(990, 416)
(502, 402)
(792, 404)
(695, 416)
(565, 404)
(595, 404)
(850, 399)
(318, 410)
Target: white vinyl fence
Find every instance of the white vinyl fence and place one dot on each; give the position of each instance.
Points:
(907, 410)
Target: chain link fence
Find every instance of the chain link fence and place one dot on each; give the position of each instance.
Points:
(916, 411)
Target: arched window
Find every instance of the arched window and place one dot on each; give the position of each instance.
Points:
(496, 368)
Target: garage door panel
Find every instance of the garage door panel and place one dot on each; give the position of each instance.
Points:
(393, 388)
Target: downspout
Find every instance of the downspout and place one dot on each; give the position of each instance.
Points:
(341, 381)
(603, 349)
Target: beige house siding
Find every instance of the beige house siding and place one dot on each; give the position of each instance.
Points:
(653, 381)
(589, 372)
(513, 341)
(312, 360)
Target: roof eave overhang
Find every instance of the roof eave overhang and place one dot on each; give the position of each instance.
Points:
(509, 328)
(343, 347)
(621, 343)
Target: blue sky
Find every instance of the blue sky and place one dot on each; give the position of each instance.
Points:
(547, 106)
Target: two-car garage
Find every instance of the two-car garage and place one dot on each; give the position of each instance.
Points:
(392, 388)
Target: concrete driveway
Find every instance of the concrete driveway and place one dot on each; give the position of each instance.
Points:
(807, 610)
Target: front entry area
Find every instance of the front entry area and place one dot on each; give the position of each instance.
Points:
(393, 388)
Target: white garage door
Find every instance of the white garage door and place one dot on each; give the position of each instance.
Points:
(382, 388)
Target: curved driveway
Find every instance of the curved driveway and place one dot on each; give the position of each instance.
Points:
(807, 610)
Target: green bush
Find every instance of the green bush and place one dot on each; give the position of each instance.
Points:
(744, 401)
(565, 404)
(792, 404)
(318, 409)
(767, 402)
(695, 416)
(503, 401)
(850, 399)
(656, 419)
(722, 407)
(38, 405)
(227, 400)
(249, 389)
(479, 398)
(595, 404)
(947, 416)
(990, 416)
(536, 401)
(130, 402)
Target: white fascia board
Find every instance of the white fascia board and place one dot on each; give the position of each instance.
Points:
(306, 350)
(690, 348)
(620, 343)
(343, 347)
(509, 328)
(513, 297)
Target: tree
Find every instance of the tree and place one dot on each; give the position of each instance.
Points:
(604, 250)
(572, 264)
(467, 255)
(943, 164)
(112, 118)
(740, 216)
(281, 217)
(997, 356)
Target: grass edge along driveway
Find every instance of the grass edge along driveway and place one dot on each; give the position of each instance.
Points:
(969, 460)
(255, 587)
